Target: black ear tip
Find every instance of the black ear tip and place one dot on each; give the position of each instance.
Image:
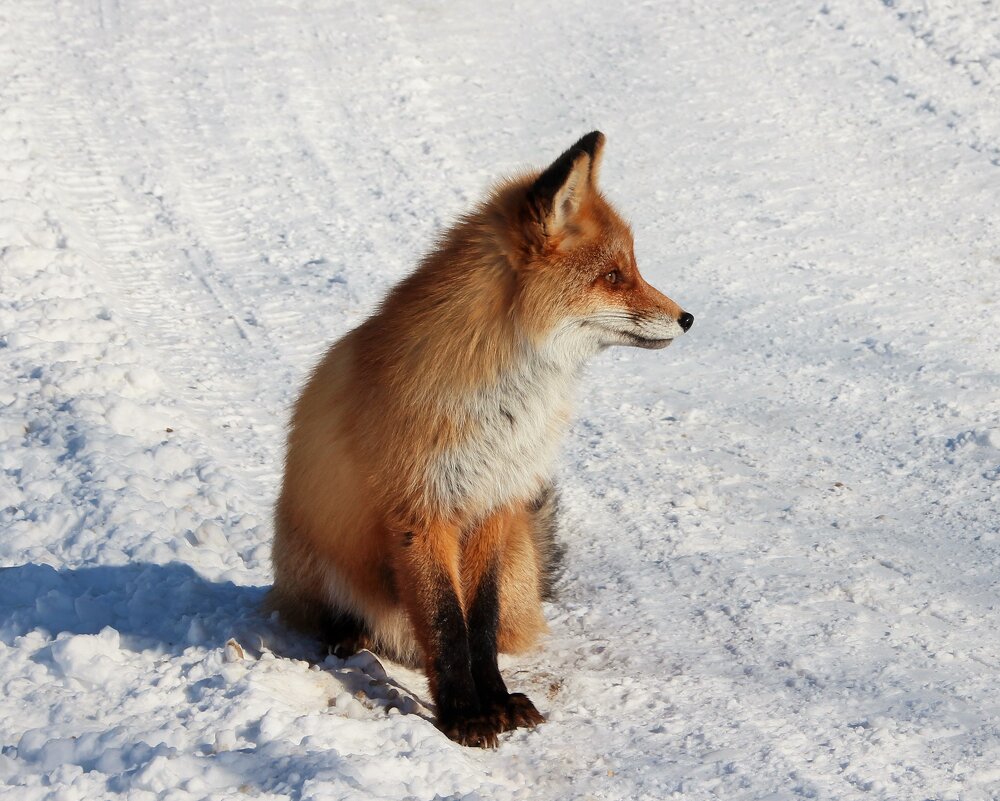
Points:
(590, 143)
(557, 173)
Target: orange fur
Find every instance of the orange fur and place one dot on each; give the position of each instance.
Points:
(403, 490)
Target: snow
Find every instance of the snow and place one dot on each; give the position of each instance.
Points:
(784, 531)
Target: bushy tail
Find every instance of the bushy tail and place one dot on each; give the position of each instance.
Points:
(551, 551)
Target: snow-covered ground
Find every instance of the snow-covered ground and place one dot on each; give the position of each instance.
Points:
(784, 531)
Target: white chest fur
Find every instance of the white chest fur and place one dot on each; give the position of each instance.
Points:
(515, 426)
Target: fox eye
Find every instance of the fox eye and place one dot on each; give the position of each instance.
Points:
(613, 277)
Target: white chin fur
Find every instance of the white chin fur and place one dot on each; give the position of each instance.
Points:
(621, 329)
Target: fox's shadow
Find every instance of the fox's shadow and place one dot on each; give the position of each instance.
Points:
(152, 606)
(170, 608)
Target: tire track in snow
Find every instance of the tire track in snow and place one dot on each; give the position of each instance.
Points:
(168, 241)
(94, 458)
(160, 277)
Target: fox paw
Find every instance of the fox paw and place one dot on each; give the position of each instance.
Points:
(477, 731)
(481, 730)
(517, 712)
(349, 646)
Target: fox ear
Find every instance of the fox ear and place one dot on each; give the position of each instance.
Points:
(560, 190)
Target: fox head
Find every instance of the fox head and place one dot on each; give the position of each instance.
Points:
(579, 285)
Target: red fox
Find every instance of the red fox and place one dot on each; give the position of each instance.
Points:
(417, 515)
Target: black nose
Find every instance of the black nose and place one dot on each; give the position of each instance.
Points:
(685, 321)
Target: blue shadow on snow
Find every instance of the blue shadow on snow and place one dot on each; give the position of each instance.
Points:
(168, 606)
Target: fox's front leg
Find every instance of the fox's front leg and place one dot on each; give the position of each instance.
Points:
(481, 571)
(427, 574)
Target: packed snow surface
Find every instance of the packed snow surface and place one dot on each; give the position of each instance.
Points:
(784, 531)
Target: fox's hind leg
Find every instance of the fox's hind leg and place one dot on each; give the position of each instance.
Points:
(339, 632)
(301, 593)
(343, 633)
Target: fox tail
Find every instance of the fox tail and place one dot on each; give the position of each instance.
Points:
(551, 551)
